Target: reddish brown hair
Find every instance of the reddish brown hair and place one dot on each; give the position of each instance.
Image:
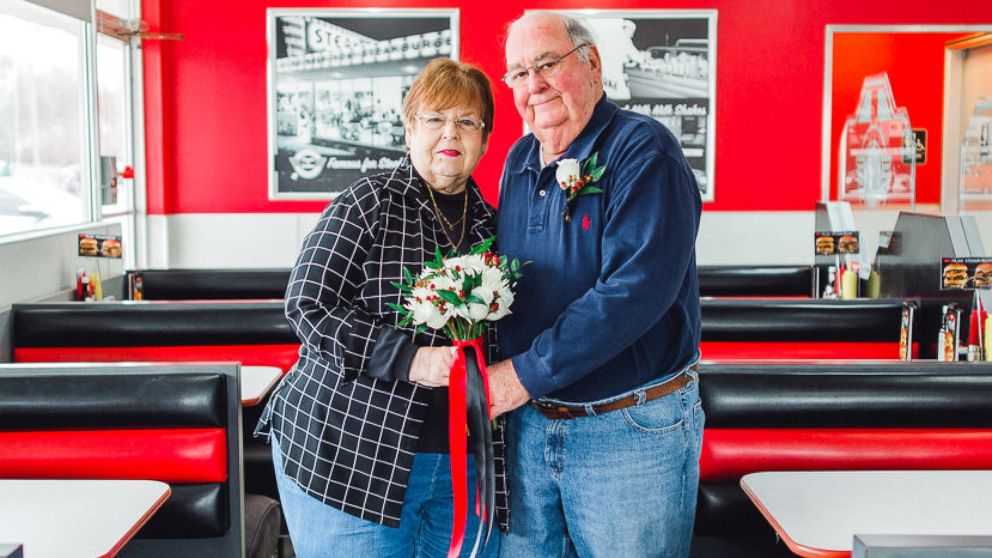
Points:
(443, 84)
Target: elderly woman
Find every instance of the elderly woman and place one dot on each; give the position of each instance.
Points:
(359, 425)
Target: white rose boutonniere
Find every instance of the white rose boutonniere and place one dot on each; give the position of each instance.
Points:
(568, 170)
(576, 178)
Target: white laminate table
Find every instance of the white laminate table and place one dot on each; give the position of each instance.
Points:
(817, 513)
(69, 518)
(256, 382)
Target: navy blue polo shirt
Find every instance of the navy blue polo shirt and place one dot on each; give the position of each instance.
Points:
(610, 300)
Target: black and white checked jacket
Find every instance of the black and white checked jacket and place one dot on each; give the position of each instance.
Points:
(347, 438)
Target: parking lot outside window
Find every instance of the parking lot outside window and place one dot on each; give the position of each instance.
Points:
(44, 161)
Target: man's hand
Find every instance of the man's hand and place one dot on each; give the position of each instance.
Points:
(431, 366)
(506, 393)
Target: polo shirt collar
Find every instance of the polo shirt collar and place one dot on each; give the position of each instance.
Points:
(582, 147)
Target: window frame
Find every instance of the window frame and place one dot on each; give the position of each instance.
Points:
(130, 198)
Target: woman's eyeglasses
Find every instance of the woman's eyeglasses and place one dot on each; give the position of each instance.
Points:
(436, 122)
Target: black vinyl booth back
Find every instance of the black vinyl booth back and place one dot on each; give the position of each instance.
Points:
(208, 284)
(230, 284)
(765, 280)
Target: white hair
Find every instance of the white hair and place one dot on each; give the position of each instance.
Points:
(577, 33)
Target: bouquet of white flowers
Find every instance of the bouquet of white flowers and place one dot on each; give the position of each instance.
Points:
(460, 295)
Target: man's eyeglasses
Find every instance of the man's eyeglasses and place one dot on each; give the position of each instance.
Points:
(436, 122)
(545, 68)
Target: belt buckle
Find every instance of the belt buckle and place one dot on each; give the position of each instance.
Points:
(544, 404)
(564, 411)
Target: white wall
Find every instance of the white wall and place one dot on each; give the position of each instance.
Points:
(262, 240)
(274, 239)
(204, 240)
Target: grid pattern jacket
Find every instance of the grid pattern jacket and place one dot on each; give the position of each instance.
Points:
(347, 438)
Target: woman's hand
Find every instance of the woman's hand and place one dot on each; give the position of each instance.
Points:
(431, 366)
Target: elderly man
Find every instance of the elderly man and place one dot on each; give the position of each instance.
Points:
(605, 329)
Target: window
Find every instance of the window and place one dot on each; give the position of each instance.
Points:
(44, 161)
(113, 96)
(117, 8)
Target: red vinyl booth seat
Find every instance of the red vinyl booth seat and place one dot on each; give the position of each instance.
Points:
(730, 453)
(280, 355)
(174, 455)
(802, 350)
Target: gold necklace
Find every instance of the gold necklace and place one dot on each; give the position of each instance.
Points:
(451, 224)
(444, 220)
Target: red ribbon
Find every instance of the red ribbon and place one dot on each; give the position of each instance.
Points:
(458, 438)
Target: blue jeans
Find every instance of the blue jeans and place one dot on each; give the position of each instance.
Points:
(321, 531)
(619, 484)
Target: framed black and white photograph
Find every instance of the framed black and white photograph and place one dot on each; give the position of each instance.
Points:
(662, 63)
(336, 82)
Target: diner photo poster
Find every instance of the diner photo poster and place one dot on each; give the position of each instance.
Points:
(336, 82)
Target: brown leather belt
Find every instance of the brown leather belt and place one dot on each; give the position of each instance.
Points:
(558, 411)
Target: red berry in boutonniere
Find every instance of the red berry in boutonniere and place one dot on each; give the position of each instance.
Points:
(576, 178)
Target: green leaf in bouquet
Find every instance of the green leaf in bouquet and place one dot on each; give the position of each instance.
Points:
(515, 273)
(420, 329)
(407, 276)
(470, 282)
(438, 261)
(405, 321)
(450, 297)
(590, 190)
(590, 163)
(597, 172)
(474, 299)
(397, 307)
(482, 247)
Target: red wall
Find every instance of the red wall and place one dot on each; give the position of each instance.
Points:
(205, 105)
(915, 64)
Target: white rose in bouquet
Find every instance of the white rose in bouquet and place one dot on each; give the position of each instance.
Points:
(505, 300)
(495, 293)
(424, 309)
